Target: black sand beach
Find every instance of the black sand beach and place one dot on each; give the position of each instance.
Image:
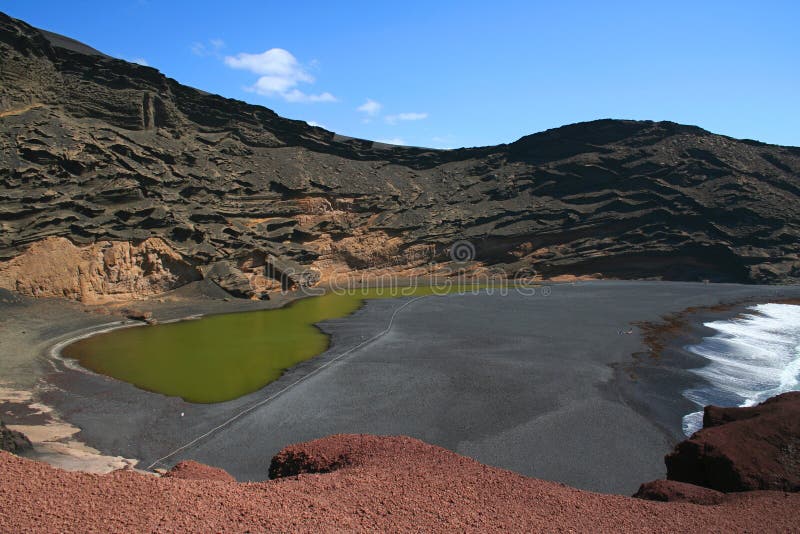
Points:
(543, 385)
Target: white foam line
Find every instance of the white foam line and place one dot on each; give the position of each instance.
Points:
(287, 388)
(55, 350)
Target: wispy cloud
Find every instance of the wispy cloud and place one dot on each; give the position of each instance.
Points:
(140, 61)
(370, 107)
(279, 75)
(411, 116)
(210, 48)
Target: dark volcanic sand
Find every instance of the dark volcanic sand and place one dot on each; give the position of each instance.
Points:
(389, 485)
(532, 384)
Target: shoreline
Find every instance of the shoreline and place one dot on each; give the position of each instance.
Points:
(55, 440)
(169, 406)
(23, 391)
(666, 354)
(359, 295)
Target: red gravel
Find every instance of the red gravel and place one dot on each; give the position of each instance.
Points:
(196, 471)
(384, 483)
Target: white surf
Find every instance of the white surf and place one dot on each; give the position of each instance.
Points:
(751, 358)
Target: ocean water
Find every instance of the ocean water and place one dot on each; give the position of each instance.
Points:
(750, 358)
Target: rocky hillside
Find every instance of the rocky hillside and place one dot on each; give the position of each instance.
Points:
(117, 181)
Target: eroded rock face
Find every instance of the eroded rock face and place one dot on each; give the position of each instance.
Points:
(13, 441)
(743, 449)
(98, 150)
(104, 270)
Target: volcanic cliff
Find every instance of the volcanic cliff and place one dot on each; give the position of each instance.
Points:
(123, 182)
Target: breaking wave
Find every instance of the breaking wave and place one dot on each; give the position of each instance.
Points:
(751, 358)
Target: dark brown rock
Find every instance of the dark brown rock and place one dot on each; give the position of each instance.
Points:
(13, 441)
(745, 449)
(673, 491)
(139, 315)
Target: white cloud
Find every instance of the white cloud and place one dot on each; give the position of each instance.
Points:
(295, 95)
(411, 116)
(273, 62)
(393, 141)
(140, 61)
(280, 73)
(370, 107)
(315, 124)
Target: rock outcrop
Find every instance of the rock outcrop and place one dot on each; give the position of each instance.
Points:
(103, 270)
(743, 449)
(13, 441)
(737, 450)
(101, 152)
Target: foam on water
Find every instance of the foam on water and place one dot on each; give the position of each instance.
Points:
(751, 358)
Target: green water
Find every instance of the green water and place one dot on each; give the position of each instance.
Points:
(222, 357)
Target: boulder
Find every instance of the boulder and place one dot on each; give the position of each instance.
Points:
(13, 441)
(743, 449)
(230, 278)
(138, 315)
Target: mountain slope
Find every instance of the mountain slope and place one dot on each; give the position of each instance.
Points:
(116, 180)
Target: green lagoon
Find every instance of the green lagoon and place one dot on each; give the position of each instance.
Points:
(222, 357)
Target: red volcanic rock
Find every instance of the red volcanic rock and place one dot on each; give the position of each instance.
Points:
(395, 484)
(743, 449)
(190, 470)
(672, 491)
(716, 415)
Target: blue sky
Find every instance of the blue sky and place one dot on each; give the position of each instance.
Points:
(451, 74)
